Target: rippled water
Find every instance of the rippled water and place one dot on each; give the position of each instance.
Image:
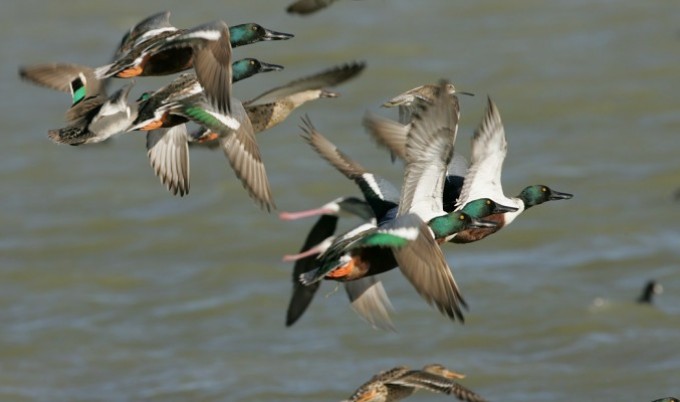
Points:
(114, 290)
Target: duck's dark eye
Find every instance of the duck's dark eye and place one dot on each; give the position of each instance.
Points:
(544, 189)
(252, 62)
(254, 28)
(462, 217)
(488, 202)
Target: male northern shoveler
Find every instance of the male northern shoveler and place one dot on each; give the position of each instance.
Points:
(382, 196)
(483, 181)
(187, 85)
(444, 228)
(94, 117)
(168, 150)
(380, 193)
(183, 100)
(401, 382)
(408, 238)
(207, 48)
(157, 24)
(367, 295)
(650, 289)
(489, 148)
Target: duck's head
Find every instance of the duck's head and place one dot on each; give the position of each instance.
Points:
(248, 67)
(440, 370)
(144, 97)
(455, 222)
(451, 90)
(484, 207)
(245, 34)
(538, 194)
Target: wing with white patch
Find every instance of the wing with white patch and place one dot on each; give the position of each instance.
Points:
(489, 148)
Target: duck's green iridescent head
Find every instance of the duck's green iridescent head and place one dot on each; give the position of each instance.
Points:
(244, 68)
(246, 34)
(484, 207)
(454, 222)
(144, 97)
(538, 194)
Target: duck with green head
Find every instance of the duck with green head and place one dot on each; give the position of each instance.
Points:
(149, 48)
(406, 240)
(168, 150)
(184, 100)
(445, 227)
(207, 48)
(367, 295)
(187, 85)
(483, 179)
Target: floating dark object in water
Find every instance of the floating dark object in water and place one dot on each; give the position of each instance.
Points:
(651, 288)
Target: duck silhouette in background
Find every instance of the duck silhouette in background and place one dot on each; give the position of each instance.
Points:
(651, 288)
(646, 297)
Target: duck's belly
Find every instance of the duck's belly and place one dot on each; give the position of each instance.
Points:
(170, 61)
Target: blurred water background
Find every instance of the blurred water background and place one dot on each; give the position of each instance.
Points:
(111, 289)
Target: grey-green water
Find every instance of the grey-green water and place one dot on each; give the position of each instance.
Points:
(111, 289)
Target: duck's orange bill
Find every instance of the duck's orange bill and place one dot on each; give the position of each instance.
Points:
(130, 72)
(342, 271)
